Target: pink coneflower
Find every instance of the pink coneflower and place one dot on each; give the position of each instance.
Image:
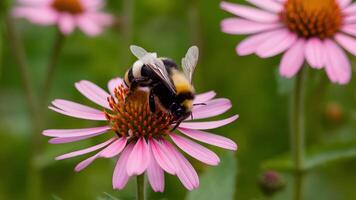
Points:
(142, 137)
(304, 29)
(68, 14)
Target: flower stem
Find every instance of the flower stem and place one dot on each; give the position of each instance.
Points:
(297, 133)
(34, 177)
(141, 187)
(51, 68)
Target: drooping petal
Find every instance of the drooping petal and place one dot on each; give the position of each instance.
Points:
(93, 5)
(186, 173)
(114, 148)
(85, 151)
(155, 175)
(350, 19)
(139, 158)
(162, 157)
(269, 5)
(113, 83)
(204, 97)
(66, 23)
(120, 176)
(242, 26)
(93, 93)
(61, 140)
(75, 132)
(210, 138)
(195, 150)
(208, 125)
(315, 53)
(249, 13)
(276, 44)
(338, 66)
(293, 59)
(102, 19)
(346, 42)
(212, 108)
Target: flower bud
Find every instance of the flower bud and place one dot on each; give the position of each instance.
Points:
(271, 182)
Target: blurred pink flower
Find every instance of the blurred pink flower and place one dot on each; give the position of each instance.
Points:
(303, 29)
(140, 136)
(67, 14)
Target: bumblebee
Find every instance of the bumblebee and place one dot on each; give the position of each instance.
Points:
(168, 85)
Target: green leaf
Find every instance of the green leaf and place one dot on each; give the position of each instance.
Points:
(217, 182)
(316, 156)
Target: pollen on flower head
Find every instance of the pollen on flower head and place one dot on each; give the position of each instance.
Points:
(312, 18)
(69, 6)
(131, 115)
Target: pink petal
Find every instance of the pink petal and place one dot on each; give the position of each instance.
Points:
(249, 13)
(338, 66)
(209, 138)
(276, 44)
(242, 26)
(39, 15)
(162, 157)
(204, 97)
(93, 5)
(186, 173)
(114, 148)
(251, 43)
(66, 23)
(350, 19)
(84, 151)
(89, 26)
(293, 59)
(269, 5)
(208, 125)
(350, 9)
(344, 3)
(195, 150)
(75, 132)
(139, 158)
(120, 176)
(314, 53)
(110, 151)
(77, 110)
(347, 42)
(93, 93)
(114, 83)
(349, 28)
(212, 108)
(155, 176)
(34, 2)
(102, 19)
(60, 140)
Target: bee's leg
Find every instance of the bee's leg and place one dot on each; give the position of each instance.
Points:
(177, 124)
(151, 101)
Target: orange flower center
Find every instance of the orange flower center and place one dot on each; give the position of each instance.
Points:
(69, 6)
(131, 115)
(312, 18)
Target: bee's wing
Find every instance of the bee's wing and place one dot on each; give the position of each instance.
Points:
(151, 60)
(189, 62)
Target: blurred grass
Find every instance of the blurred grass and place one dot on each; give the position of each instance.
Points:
(169, 28)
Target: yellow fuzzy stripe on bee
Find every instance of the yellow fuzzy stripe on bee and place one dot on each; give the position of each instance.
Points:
(180, 82)
(127, 81)
(188, 104)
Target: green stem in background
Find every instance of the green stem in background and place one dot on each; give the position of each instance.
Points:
(34, 177)
(298, 132)
(51, 68)
(141, 187)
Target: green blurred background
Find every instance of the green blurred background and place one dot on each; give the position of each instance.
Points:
(259, 96)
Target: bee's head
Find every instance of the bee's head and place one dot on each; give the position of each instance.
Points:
(179, 111)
